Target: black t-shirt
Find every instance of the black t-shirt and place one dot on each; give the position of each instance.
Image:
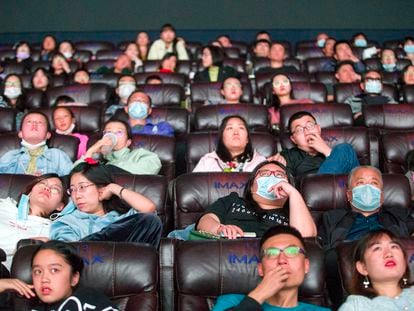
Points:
(83, 298)
(277, 71)
(232, 210)
(300, 163)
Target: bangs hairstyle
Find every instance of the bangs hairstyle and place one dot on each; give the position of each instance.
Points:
(217, 54)
(37, 179)
(222, 151)
(67, 251)
(357, 287)
(45, 72)
(101, 176)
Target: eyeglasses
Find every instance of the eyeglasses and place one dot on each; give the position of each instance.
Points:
(117, 133)
(284, 82)
(267, 173)
(53, 189)
(230, 85)
(289, 251)
(300, 129)
(81, 188)
(372, 79)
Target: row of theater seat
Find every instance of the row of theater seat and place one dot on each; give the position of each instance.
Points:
(182, 201)
(185, 275)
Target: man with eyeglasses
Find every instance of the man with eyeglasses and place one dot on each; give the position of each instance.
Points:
(371, 87)
(35, 157)
(283, 267)
(311, 153)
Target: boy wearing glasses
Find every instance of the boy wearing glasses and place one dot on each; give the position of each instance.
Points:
(283, 267)
(311, 153)
(371, 86)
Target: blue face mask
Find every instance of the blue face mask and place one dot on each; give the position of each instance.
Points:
(389, 67)
(409, 48)
(138, 110)
(321, 43)
(373, 87)
(361, 43)
(264, 184)
(366, 198)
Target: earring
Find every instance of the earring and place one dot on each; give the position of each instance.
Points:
(366, 282)
(405, 281)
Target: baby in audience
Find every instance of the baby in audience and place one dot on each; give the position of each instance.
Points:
(64, 121)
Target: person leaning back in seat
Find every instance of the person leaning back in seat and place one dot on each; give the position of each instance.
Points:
(284, 264)
(35, 157)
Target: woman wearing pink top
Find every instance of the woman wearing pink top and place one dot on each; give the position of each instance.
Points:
(282, 95)
(234, 152)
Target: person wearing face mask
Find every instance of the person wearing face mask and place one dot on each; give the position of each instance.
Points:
(360, 40)
(137, 114)
(371, 86)
(12, 95)
(408, 46)
(23, 55)
(263, 205)
(67, 50)
(35, 157)
(125, 86)
(388, 60)
(364, 214)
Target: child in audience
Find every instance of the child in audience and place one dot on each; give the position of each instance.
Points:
(102, 210)
(64, 121)
(56, 273)
(40, 79)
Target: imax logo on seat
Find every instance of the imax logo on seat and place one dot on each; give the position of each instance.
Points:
(230, 109)
(228, 185)
(330, 139)
(244, 259)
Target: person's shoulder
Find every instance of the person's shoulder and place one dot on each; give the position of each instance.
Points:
(356, 302)
(226, 301)
(91, 296)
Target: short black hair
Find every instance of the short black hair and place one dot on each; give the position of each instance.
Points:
(344, 63)
(280, 229)
(364, 74)
(297, 116)
(340, 42)
(167, 27)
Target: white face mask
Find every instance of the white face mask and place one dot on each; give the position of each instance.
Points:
(68, 131)
(125, 90)
(32, 146)
(67, 54)
(12, 92)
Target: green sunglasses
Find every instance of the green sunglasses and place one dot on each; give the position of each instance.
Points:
(290, 251)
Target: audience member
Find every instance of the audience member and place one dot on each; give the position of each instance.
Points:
(311, 153)
(153, 79)
(360, 40)
(282, 94)
(132, 52)
(49, 45)
(168, 42)
(67, 50)
(122, 65)
(261, 48)
(234, 151)
(12, 95)
(65, 122)
(321, 39)
(365, 214)
(212, 58)
(29, 217)
(408, 46)
(137, 114)
(371, 86)
(262, 206)
(224, 41)
(60, 66)
(408, 75)
(343, 52)
(114, 147)
(35, 157)
(345, 72)
(263, 35)
(102, 210)
(126, 85)
(81, 76)
(41, 79)
(283, 266)
(23, 55)
(143, 42)
(388, 60)
(168, 63)
(380, 275)
(328, 48)
(56, 273)
(231, 90)
(277, 56)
